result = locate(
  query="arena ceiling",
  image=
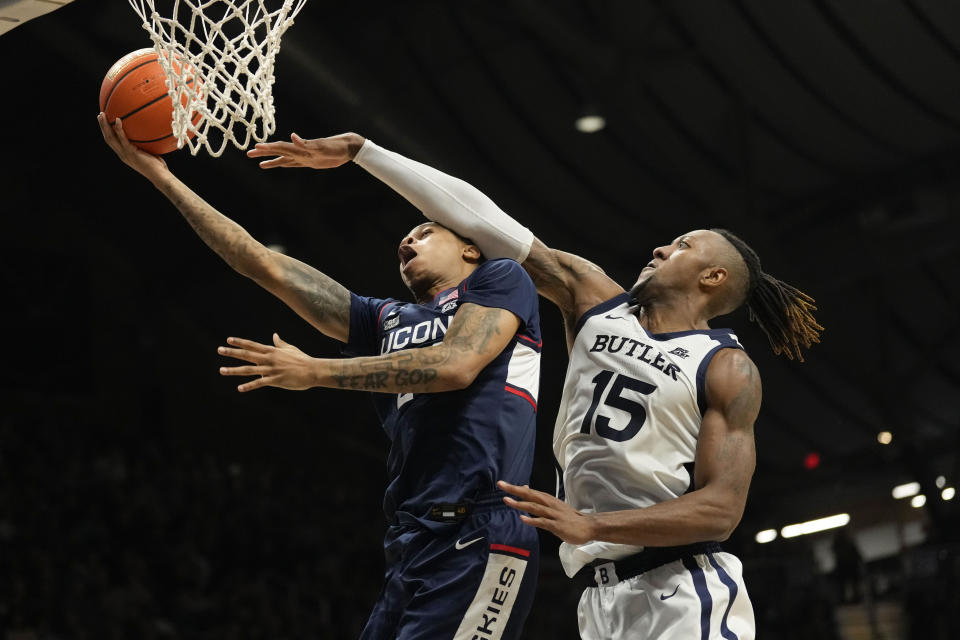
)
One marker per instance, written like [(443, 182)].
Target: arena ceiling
[(826, 133)]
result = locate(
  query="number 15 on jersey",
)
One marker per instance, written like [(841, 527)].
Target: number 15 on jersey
[(636, 411)]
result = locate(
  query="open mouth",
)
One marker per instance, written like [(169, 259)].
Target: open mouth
[(406, 253)]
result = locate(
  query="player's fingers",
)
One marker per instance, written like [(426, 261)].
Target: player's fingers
[(540, 496), (255, 384), (118, 128), (245, 370), (278, 341), (270, 149), (279, 159), (121, 136), (249, 344), (261, 153), (540, 523), (524, 492), (282, 161), (286, 161), (271, 156), (506, 486), (109, 135), (107, 128), (240, 354), (534, 508), (104, 127)]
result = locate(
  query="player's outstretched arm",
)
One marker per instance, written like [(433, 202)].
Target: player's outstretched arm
[(476, 336), (724, 464), (317, 298), (574, 284)]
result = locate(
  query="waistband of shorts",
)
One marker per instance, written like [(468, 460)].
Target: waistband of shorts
[(455, 512), (647, 560)]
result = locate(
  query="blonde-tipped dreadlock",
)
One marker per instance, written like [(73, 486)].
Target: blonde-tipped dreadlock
[(783, 312)]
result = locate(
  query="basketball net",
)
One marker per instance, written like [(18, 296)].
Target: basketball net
[(218, 56)]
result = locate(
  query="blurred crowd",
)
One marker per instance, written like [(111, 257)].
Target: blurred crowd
[(105, 534)]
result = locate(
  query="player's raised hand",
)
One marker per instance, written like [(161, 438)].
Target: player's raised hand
[(547, 512), (281, 365), (137, 159), (320, 153)]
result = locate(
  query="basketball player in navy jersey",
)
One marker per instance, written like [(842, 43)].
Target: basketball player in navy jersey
[(655, 430), (455, 377)]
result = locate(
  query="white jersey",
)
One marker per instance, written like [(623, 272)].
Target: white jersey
[(626, 434)]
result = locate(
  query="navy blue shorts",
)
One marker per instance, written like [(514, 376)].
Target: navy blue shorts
[(472, 579)]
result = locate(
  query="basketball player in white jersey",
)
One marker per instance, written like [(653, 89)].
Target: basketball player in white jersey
[(655, 430)]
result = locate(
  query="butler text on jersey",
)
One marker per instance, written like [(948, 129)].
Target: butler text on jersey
[(605, 342)]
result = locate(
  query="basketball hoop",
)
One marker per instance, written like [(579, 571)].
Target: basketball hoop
[(230, 46)]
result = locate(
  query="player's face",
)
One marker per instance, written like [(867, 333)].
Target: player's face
[(428, 252), (675, 266)]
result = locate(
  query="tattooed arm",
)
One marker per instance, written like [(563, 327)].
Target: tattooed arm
[(476, 336), (725, 460), (318, 299)]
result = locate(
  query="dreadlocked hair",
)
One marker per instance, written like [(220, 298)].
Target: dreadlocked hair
[(783, 312)]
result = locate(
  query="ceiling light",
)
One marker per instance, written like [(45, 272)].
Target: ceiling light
[(590, 123), (906, 490), (767, 535), (884, 437), (948, 493), (918, 501), (941, 481), (813, 526)]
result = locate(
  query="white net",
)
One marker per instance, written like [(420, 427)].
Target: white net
[(219, 59)]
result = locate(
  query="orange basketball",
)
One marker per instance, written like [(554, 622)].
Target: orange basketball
[(135, 90)]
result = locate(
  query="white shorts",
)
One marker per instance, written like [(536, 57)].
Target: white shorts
[(697, 598)]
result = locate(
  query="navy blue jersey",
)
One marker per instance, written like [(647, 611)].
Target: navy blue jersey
[(452, 447)]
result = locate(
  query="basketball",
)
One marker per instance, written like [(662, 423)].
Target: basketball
[(135, 90)]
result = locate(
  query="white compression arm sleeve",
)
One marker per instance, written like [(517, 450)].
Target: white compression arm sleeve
[(449, 201)]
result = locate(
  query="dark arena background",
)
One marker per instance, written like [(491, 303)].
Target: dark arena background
[(142, 497)]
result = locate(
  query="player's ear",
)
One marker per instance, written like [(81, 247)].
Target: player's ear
[(471, 253), (713, 276)]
